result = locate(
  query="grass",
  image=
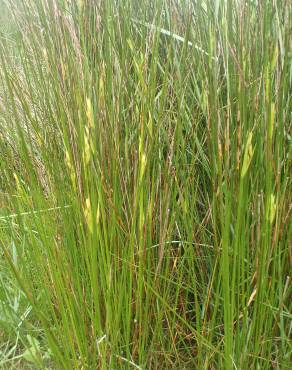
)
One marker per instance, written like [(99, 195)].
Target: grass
[(146, 185)]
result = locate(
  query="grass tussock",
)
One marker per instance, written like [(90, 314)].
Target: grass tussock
[(146, 185)]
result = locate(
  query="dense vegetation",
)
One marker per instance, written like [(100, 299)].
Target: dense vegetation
[(145, 184)]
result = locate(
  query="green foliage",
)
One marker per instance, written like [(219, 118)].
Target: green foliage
[(145, 184)]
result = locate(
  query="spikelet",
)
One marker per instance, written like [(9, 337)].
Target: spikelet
[(272, 209), (88, 144), (89, 113), (70, 167), (143, 166), (86, 149), (88, 215), (248, 154)]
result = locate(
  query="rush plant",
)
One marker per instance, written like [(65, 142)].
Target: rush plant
[(146, 184)]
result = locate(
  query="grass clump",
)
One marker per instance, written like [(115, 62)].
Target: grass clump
[(145, 184)]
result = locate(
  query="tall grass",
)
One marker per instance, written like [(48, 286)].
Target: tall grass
[(146, 184)]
